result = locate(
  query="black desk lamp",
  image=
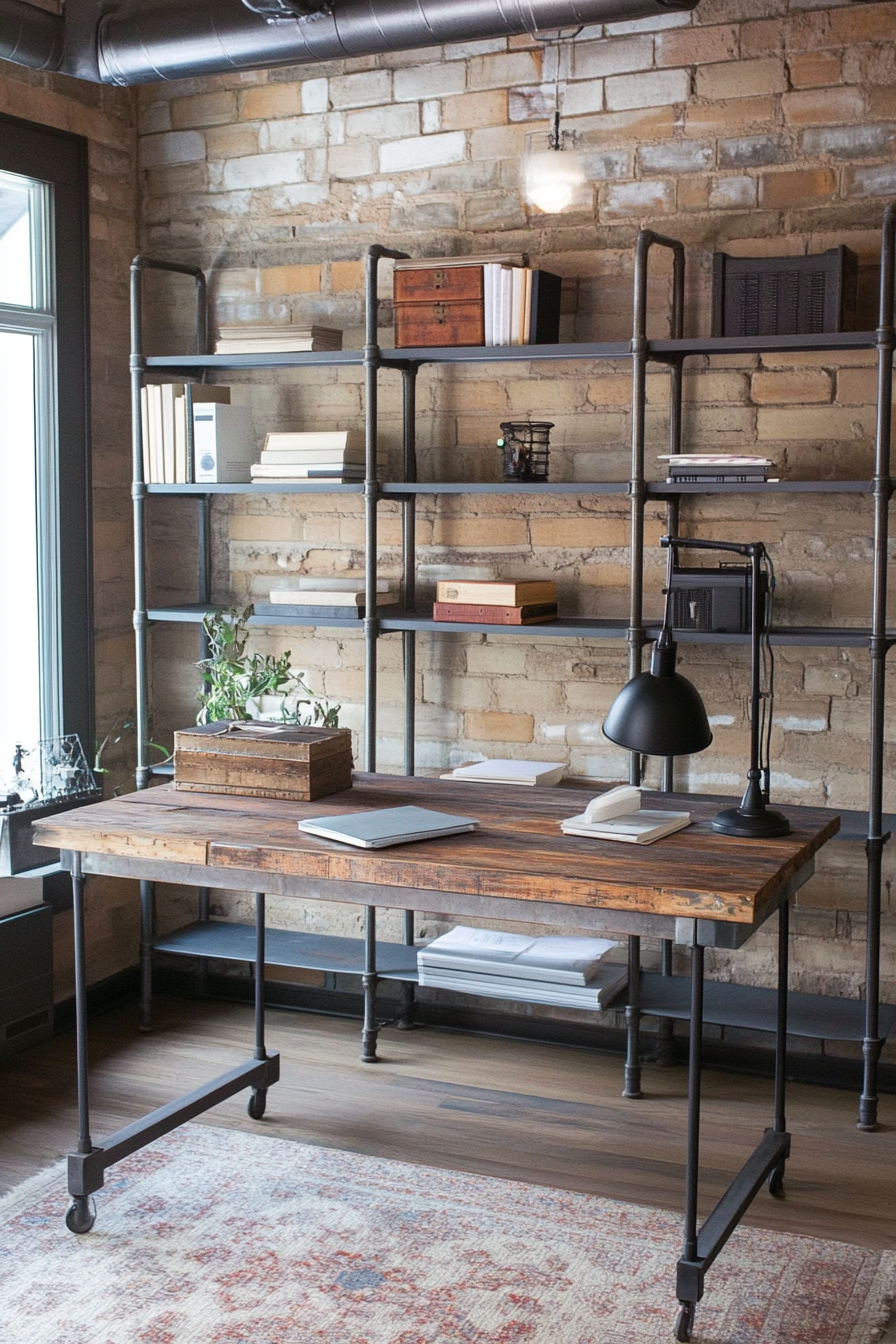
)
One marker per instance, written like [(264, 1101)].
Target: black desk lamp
[(660, 712)]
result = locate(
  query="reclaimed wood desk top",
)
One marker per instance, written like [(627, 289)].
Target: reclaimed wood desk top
[(518, 853)]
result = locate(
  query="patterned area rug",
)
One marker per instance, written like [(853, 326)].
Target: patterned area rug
[(213, 1236)]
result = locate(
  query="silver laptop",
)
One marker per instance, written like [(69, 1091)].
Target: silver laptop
[(388, 826)]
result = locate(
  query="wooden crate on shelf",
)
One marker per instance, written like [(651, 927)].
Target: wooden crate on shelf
[(255, 762)]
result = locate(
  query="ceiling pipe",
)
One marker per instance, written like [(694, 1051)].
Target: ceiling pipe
[(141, 43), (31, 36)]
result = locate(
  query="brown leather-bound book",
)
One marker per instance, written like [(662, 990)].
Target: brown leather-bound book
[(534, 613)]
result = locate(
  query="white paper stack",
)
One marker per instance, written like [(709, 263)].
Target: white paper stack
[(258, 340), (565, 972), (618, 815)]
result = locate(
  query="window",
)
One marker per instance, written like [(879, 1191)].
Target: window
[(45, 669)]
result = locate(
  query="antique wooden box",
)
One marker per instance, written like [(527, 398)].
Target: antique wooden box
[(288, 762), (784, 296), (439, 306)]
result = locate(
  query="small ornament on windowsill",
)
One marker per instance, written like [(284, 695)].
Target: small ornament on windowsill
[(525, 445)]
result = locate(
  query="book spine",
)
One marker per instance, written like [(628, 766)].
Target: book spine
[(496, 594), (321, 613), (533, 614)]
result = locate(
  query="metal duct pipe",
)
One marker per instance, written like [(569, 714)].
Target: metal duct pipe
[(141, 43), (31, 36)]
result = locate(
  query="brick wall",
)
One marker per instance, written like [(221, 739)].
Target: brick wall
[(756, 126), (106, 119)]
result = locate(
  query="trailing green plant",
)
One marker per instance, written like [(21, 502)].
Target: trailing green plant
[(121, 731), (231, 677)]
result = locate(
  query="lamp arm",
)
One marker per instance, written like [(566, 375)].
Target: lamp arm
[(747, 548)]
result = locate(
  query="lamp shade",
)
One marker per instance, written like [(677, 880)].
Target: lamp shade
[(660, 712)]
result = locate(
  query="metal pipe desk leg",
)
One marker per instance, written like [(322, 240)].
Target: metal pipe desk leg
[(259, 1098), (147, 931), (370, 1029), (80, 1217), (632, 1087), (408, 1005)]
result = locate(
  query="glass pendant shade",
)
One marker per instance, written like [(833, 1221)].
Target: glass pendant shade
[(551, 178), (660, 712)]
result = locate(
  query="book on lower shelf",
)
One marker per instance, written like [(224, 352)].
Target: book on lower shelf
[(571, 972), (708, 468), (258, 340), (533, 613)]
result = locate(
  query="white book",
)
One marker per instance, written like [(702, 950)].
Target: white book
[(342, 584), (291, 471), (387, 826), (716, 459), (331, 440), (595, 996), (517, 306), (555, 958), (304, 597), (488, 301), (532, 773)]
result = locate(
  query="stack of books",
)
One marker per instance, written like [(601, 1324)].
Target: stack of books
[(276, 340), (167, 459), (496, 601), (327, 599), (715, 468), (541, 774), (566, 972), (332, 455)]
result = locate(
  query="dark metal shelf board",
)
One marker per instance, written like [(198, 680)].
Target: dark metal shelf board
[(502, 354), (507, 488), (275, 488), (578, 626), (753, 345), (281, 360), (665, 488), (284, 947), (751, 1008)]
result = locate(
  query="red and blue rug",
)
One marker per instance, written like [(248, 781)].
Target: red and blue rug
[(213, 1236)]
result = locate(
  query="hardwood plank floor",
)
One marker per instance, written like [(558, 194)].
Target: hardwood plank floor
[(548, 1114)]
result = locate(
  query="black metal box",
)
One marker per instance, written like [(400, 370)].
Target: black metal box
[(784, 296), (717, 600)]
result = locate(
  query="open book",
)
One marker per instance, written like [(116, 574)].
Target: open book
[(618, 815)]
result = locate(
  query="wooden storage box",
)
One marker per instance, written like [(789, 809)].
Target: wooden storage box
[(297, 763), (439, 306), (784, 296)]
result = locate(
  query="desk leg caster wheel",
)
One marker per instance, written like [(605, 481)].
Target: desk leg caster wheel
[(80, 1216), (776, 1182), (684, 1322), (257, 1103)]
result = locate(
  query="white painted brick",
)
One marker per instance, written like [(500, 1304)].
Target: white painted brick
[(877, 181), (592, 60), (586, 96), (372, 88), (654, 24), (729, 192), (499, 72), (655, 88), (721, 720), (677, 156), (383, 123), (422, 152), (155, 117), (300, 193), (292, 133), (264, 170), (464, 51), (175, 147), (352, 160), (798, 723), (634, 198), (429, 81), (315, 95), (431, 116)]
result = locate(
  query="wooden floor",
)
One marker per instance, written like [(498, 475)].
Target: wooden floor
[(548, 1114)]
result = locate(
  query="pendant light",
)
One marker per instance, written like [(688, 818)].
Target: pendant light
[(552, 172)]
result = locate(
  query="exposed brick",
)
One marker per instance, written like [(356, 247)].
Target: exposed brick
[(530, 104), (613, 163), (809, 69), (630, 127), (796, 388), (290, 280), (693, 193), (231, 142), (820, 107), (762, 37), (732, 115), (857, 386), (357, 160), (697, 46), (271, 100), (370, 89), (346, 275), (264, 170), (635, 198), (871, 181), (467, 532), (402, 156), (652, 89), (577, 533), (502, 70), (315, 95), (864, 23), (498, 727), (593, 60), (799, 187), (382, 123), (750, 151), (429, 81), (740, 79), (203, 109), (469, 110), (582, 98), (849, 142), (175, 147), (731, 193), (677, 156), (833, 422)]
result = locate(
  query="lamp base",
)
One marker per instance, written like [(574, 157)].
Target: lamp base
[(750, 825)]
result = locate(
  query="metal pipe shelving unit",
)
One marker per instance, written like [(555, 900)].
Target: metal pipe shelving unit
[(664, 995)]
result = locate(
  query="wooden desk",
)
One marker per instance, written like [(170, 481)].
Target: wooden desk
[(696, 887)]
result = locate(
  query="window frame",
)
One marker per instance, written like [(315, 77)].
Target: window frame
[(60, 158)]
